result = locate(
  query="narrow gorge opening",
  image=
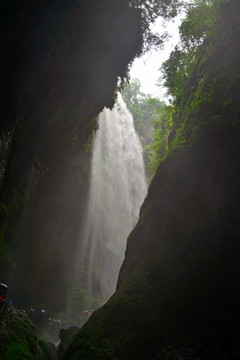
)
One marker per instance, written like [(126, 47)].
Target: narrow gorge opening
[(116, 192)]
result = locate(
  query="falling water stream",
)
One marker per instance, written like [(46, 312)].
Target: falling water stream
[(117, 190)]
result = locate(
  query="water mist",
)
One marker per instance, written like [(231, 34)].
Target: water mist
[(117, 190)]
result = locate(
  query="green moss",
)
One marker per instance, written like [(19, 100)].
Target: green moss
[(44, 346), (18, 336), (91, 347), (16, 351)]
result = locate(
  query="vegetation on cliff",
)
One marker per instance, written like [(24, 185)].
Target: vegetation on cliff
[(202, 74), (151, 120), (178, 291)]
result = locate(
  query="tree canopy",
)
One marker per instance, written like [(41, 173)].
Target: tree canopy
[(152, 120), (202, 72), (150, 11), (197, 75)]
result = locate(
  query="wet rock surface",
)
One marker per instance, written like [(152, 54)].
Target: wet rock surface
[(18, 339)]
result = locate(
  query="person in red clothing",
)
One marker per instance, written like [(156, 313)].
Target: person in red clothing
[(3, 294)]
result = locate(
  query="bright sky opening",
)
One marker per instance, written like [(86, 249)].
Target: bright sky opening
[(148, 67)]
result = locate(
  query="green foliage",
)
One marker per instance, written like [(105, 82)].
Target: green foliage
[(194, 29), (197, 76), (202, 74), (162, 128), (147, 113), (200, 20), (16, 351), (18, 336), (152, 120), (150, 11), (144, 108), (44, 346), (90, 347), (79, 300)]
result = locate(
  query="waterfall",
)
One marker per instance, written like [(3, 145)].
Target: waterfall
[(117, 190)]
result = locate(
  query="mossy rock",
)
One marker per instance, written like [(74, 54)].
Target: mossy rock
[(18, 339)]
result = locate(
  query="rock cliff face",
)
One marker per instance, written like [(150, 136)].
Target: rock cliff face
[(82, 49), (178, 287), (178, 291)]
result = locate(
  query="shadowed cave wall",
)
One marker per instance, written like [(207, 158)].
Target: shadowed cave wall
[(60, 67)]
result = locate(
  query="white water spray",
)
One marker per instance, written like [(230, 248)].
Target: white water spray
[(117, 190)]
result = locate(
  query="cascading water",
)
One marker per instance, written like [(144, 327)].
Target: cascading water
[(117, 190)]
